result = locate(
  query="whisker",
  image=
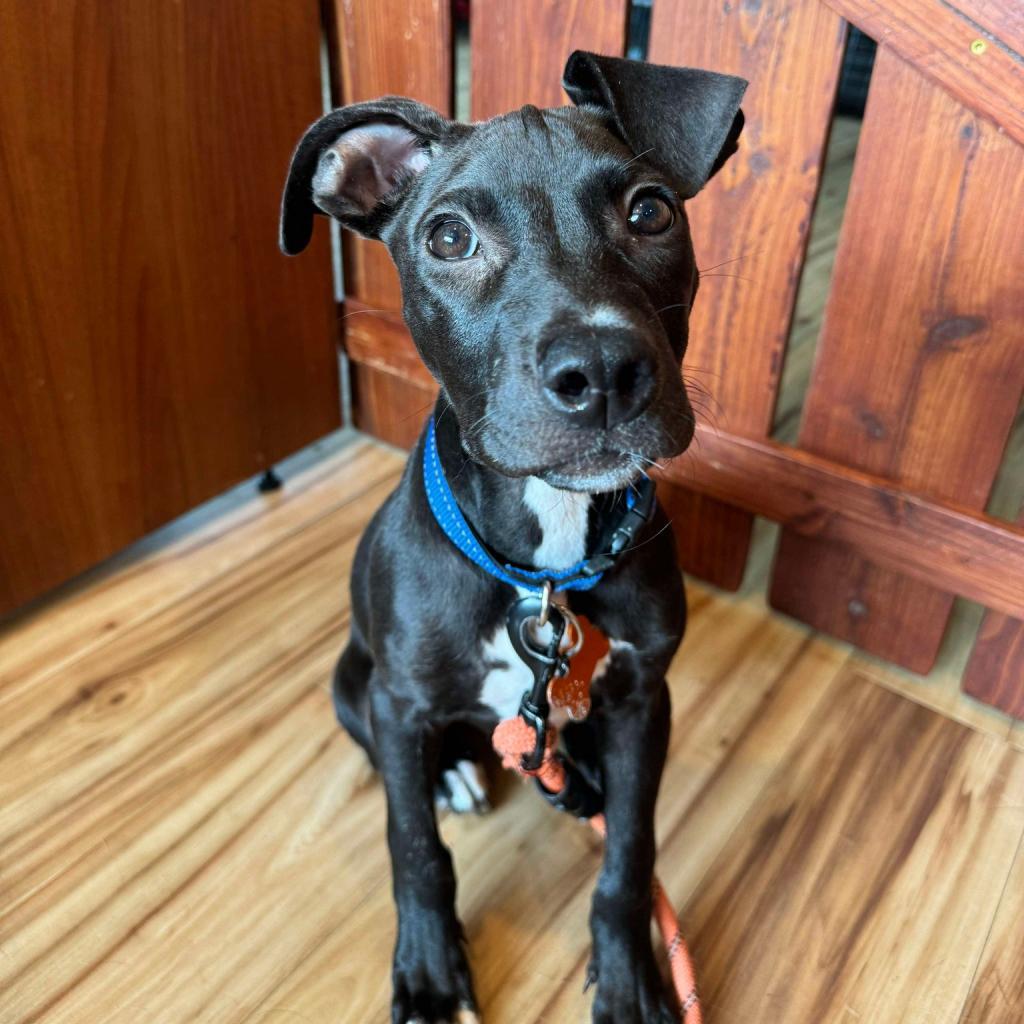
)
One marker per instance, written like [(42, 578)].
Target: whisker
[(733, 259), (355, 312), (706, 406), (738, 277), (419, 412), (690, 368), (665, 309), (696, 386), (638, 156), (643, 460), (448, 408), (633, 547), (705, 401), (700, 395)]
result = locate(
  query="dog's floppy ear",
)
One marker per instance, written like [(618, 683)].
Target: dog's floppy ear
[(683, 120), (354, 164)]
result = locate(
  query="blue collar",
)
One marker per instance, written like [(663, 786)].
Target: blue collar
[(636, 510)]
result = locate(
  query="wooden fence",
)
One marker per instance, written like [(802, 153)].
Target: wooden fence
[(919, 370)]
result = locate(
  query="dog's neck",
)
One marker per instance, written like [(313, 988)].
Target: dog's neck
[(523, 520)]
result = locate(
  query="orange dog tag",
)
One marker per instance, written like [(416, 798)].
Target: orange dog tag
[(571, 692)]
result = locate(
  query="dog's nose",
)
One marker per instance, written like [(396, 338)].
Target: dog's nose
[(598, 379)]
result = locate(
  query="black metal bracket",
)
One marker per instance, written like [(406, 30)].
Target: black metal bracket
[(270, 481)]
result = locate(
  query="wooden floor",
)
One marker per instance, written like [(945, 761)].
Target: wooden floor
[(185, 835)]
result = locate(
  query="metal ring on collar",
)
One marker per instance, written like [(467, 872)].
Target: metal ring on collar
[(545, 602)]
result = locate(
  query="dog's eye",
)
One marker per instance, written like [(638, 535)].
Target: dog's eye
[(650, 215), (452, 240)]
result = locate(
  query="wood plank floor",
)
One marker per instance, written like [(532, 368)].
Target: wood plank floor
[(185, 835)]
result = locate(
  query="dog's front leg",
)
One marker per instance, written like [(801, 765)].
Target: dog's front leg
[(430, 977), (633, 738)]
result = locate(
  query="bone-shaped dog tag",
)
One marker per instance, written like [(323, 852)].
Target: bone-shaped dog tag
[(571, 692)]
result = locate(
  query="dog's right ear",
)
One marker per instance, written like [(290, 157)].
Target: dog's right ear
[(356, 164), (685, 120)]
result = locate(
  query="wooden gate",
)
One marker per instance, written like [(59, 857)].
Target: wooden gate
[(919, 370)]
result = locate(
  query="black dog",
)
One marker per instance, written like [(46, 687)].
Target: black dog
[(547, 275)]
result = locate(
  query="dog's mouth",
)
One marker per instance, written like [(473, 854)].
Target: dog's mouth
[(592, 469), (517, 443), (593, 465), (596, 471), (605, 468)]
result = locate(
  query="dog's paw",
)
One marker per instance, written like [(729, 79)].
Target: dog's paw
[(630, 991), (432, 983), (463, 789), (637, 1005)]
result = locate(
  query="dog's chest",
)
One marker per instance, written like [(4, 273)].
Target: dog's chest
[(562, 516), (507, 676)]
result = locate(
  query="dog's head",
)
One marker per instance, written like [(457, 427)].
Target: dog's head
[(545, 259)]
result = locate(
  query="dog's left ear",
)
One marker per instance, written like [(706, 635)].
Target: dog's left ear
[(683, 120), (354, 165)]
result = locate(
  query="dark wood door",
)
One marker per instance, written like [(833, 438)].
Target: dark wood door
[(156, 347)]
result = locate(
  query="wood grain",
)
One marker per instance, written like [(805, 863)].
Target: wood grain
[(997, 995), (749, 225), (919, 370), (157, 347), (382, 341), (941, 543), (936, 36), (939, 691), (390, 405), (995, 673), (519, 47), (186, 835), (174, 562), (390, 47), (997, 18), (392, 391), (815, 277), (399, 48), (865, 847), (176, 744)]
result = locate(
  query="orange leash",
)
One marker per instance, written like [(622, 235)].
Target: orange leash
[(513, 739)]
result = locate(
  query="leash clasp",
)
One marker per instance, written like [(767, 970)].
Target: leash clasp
[(537, 720), (544, 659)]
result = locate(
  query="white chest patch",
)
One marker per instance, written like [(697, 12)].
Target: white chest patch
[(563, 522), (507, 678)]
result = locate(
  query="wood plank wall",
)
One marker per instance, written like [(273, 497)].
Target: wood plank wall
[(749, 227), (996, 669), (971, 49), (920, 365), (401, 47), (519, 48)]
